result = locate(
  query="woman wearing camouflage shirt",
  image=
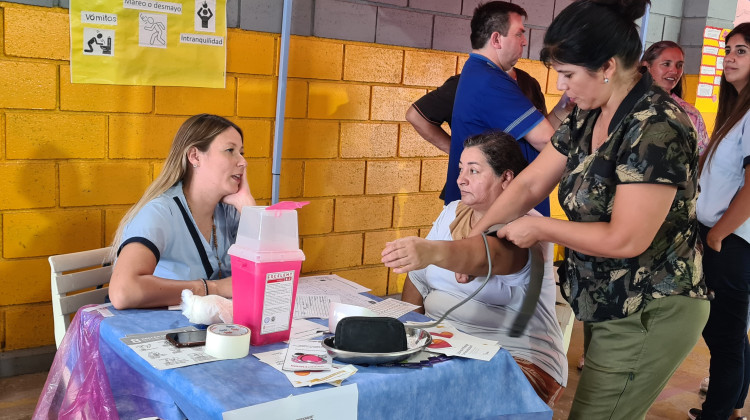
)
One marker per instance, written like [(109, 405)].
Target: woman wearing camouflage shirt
[(626, 163)]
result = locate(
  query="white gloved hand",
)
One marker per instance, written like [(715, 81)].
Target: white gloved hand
[(211, 309)]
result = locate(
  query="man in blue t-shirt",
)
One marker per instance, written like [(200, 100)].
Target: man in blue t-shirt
[(488, 98)]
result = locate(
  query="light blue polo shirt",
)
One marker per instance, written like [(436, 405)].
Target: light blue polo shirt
[(162, 225), (724, 175)]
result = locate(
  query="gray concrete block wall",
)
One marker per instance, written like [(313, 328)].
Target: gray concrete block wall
[(233, 13), (445, 24), (671, 28), (404, 27), (469, 5), (655, 28), (43, 3), (432, 24), (343, 20), (667, 8), (539, 12), (451, 33), (265, 16), (696, 8), (536, 41), (445, 6), (697, 14)]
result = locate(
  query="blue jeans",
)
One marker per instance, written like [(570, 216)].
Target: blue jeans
[(728, 275)]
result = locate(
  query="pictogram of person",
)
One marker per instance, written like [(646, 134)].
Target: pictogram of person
[(205, 14), (157, 29), (94, 40)]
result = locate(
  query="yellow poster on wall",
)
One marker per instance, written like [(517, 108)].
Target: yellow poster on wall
[(148, 42), (711, 68)]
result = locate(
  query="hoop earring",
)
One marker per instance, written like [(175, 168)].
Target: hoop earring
[(606, 80)]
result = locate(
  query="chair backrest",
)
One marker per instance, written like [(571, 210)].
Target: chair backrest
[(72, 273), (565, 315)]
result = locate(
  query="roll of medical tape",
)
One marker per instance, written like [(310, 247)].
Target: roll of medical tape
[(227, 341)]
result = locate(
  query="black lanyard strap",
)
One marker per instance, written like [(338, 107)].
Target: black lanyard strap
[(196, 239)]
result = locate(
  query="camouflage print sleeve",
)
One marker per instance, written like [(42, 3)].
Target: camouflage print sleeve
[(660, 148), (561, 138)]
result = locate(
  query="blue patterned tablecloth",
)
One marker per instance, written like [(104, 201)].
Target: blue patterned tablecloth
[(455, 389)]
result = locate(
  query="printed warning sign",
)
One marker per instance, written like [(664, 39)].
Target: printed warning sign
[(148, 42)]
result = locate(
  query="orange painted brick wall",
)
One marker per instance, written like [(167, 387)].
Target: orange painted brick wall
[(73, 157)]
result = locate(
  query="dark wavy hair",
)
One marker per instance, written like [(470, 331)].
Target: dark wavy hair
[(492, 17), (589, 32), (501, 151), (733, 105), (654, 51)]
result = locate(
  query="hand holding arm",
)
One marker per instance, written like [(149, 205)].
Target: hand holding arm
[(529, 188)]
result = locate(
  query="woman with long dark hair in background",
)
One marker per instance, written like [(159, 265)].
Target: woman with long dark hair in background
[(723, 211)]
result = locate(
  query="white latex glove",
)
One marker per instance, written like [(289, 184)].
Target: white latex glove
[(211, 309)]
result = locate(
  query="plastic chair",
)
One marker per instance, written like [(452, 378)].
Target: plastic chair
[(565, 315), (76, 272)]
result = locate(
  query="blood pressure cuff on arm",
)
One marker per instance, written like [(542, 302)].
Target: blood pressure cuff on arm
[(492, 231), (363, 334), (531, 298)]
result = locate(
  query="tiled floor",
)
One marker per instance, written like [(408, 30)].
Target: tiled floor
[(18, 395)]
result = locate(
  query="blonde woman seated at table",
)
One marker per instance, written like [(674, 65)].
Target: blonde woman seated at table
[(177, 236), (488, 164)]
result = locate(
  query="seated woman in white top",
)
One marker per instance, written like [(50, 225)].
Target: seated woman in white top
[(489, 162), (177, 236)]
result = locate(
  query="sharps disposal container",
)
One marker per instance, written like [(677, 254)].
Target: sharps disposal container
[(266, 262)]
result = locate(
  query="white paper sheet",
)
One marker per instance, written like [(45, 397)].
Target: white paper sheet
[(303, 329), (357, 300), (392, 308), (330, 284), (447, 340), (326, 404), (313, 306), (161, 354)]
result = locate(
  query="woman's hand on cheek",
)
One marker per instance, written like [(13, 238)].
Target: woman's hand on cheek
[(407, 254), (243, 196), (522, 231)]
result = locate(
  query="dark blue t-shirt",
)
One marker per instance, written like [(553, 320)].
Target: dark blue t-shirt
[(489, 99)]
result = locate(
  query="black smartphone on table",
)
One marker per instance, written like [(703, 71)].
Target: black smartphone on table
[(187, 338)]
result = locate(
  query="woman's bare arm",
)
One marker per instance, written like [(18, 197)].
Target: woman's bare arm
[(133, 284), (463, 256)]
